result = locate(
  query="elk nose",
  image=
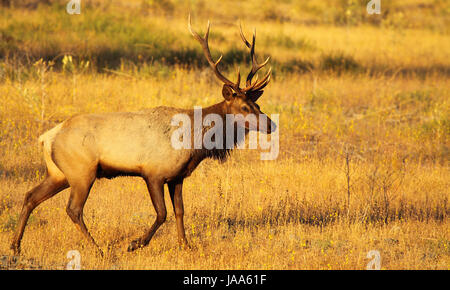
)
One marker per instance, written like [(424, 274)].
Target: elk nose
[(271, 126)]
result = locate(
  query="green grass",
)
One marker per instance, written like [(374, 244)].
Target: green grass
[(107, 37)]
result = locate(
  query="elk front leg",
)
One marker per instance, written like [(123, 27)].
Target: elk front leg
[(156, 190), (77, 200), (175, 190)]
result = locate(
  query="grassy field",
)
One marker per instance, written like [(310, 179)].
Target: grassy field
[(364, 132)]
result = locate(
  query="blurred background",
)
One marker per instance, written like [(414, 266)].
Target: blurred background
[(337, 35)]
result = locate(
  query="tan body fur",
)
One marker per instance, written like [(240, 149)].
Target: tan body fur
[(131, 143)]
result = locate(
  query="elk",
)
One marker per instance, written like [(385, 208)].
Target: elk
[(90, 146)]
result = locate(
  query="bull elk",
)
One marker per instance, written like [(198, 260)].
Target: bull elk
[(90, 146)]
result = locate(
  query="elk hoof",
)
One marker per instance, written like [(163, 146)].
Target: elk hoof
[(185, 247), (134, 245), (16, 249), (100, 252)]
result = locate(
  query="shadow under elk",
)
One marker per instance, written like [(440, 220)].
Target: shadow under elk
[(90, 146)]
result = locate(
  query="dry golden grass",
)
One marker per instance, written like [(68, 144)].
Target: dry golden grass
[(244, 214), (388, 116)]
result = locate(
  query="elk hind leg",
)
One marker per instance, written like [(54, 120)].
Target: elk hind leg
[(45, 190)]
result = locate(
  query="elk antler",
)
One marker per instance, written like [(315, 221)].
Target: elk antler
[(255, 66), (204, 43)]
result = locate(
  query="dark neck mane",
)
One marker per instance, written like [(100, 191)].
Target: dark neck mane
[(218, 154)]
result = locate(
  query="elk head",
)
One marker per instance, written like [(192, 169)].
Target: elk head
[(241, 101)]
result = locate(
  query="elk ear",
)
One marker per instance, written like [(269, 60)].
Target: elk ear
[(254, 95), (227, 92)]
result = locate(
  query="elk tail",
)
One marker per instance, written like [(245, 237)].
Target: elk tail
[(46, 141)]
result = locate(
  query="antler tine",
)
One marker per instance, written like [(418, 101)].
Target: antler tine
[(260, 85), (204, 43), (238, 82), (255, 65), (243, 37)]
